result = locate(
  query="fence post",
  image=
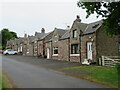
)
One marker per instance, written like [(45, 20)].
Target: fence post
[(100, 61), (103, 61)]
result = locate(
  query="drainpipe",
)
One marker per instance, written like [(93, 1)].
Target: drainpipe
[(80, 47), (69, 49), (51, 49), (37, 47)]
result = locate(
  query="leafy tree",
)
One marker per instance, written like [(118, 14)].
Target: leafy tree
[(14, 35), (6, 36), (110, 11)]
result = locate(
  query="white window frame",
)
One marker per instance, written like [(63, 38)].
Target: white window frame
[(53, 51), (27, 50), (74, 54), (74, 33)]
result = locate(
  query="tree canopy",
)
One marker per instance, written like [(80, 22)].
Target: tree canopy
[(6, 36), (110, 11)]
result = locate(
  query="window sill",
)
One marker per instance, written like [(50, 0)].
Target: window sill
[(55, 55), (74, 54)]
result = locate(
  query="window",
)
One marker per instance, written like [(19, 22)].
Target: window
[(55, 50), (74, 33), (55, 39), (74, 49), (27, 50), (119, 46)]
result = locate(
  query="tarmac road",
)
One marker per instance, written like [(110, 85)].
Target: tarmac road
[(25, 75)]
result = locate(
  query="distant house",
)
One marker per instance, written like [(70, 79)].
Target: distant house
[(16, 44), (37, 47), (41, 44), (29, 46), (9, 44)]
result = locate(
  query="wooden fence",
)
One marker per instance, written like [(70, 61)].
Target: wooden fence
[(109, 60)]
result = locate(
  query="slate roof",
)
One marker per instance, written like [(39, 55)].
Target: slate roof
[(85, 28), (45, 35), (40, 35), (31, 38), (10, 42), (66, 35), (82, 26), (61, 31), (92, 27)]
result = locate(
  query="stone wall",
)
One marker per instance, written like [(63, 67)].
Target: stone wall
[(48, 45), (40, 48), (84, 40), (63, 50), (106, 45)]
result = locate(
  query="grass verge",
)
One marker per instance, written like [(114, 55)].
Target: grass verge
[(4, 81), (0, 47), (104, 75)]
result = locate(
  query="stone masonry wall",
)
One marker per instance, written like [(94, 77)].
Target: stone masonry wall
[(84, 40), (63, 50), (106, 45)]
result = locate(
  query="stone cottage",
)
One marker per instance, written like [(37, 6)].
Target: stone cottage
[(89, 41), (52, 45), (38, 36), (41, 44), (9, 44), (83, 41), (29, 46)]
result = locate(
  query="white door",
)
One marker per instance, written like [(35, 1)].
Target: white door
[(89, 50), (48, 53)]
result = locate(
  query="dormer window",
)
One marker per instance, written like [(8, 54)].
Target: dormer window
[(74, 33)]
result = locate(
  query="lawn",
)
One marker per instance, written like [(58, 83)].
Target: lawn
[(100, 74), (4, 81), (0, 47)]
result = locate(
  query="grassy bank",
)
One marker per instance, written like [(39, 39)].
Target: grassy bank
[(4, 81), (0, 47), (104, 75)]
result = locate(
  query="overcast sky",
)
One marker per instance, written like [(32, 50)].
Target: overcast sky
[(29, 16)]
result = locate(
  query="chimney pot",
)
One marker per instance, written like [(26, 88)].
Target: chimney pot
[(68, 28), (78, 18), (42, 30)]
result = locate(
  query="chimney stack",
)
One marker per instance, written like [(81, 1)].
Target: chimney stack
[(42, 30), (25, 35), (78, 18), (68, 28)]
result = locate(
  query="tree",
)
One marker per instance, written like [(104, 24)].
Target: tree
[(14, 35), (110, 11), (6, 36)]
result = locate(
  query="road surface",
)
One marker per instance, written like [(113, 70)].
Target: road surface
[(25, 75)]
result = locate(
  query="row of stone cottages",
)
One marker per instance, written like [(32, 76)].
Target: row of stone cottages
[(82, 41)]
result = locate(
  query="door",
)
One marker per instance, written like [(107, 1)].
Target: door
[(48, 53), (89, 50)]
